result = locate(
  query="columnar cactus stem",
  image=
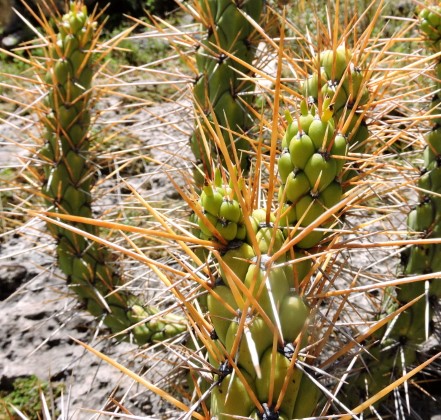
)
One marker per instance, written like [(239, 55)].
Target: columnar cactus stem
[(221, 88), (259, 317), (69, 176), (397, 342), (426, 216), (251, 305), (411, 328)]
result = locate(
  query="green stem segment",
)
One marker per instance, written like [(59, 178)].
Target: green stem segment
[(310, 167), (340, 80), (221, 89), (411, 327), (69, 176), (271, 309)]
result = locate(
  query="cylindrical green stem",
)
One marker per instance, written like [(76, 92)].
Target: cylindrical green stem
[(426, 216), (69, 176), (221, 89), (394, 347)]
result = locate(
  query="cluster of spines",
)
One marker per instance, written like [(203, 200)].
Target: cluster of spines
[(221, 89), (69, 176)]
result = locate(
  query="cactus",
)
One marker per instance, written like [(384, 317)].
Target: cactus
[(261, 275), (265, 323), (68, 179), (221, 89), (393, 348), (411, 327), (426, 217), (257, 307), (262, 306)]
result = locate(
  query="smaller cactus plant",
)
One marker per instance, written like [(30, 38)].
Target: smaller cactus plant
[(426, 217), (68, 179), (394, 347)]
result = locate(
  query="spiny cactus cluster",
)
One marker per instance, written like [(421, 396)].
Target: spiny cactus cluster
[(69, 176), (256, 304), (221, 89)]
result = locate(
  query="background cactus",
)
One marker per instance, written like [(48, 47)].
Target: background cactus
[(398, 341), (69, 177), (425, 217), (223, 89)]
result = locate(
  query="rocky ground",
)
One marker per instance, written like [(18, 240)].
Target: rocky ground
[(39, 324)]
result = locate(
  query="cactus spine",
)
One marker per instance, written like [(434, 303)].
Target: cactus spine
[(69, 176), (220, 90)]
